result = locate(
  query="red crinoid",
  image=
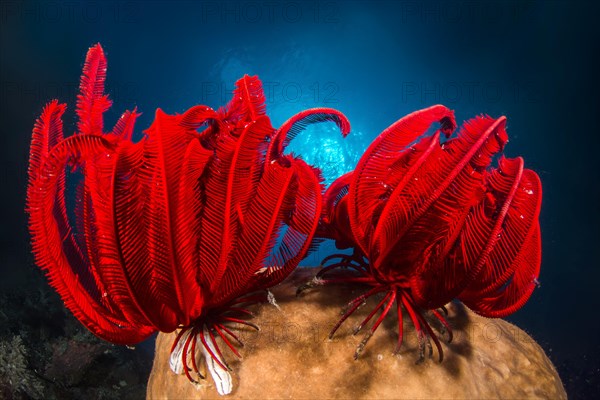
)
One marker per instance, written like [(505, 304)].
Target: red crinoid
[(179, 230), (430, 222)]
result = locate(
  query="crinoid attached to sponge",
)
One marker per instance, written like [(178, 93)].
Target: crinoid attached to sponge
[(181, 230), (429, 221)]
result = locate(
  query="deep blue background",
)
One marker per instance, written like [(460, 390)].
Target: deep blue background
[(537, 63)]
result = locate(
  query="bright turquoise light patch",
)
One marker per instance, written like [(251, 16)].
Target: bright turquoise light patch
[(323, 146)]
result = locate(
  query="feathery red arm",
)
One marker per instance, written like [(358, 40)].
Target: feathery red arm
[(247, 103), (226, 190), (47, 242), (187, 231), (124, 126), (91, 102), (263, 223), (511, 260), (296, 124), (367, 184), (302, 224)]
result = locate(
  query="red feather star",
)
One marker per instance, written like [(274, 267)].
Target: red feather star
[(429, 221), (179, 230)]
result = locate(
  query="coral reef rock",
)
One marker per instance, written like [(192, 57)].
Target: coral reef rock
[(292, 357)]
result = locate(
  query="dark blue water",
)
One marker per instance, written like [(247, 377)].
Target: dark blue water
[(535, 62)]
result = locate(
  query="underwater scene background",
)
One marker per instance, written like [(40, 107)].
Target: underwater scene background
[(534, 62)]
